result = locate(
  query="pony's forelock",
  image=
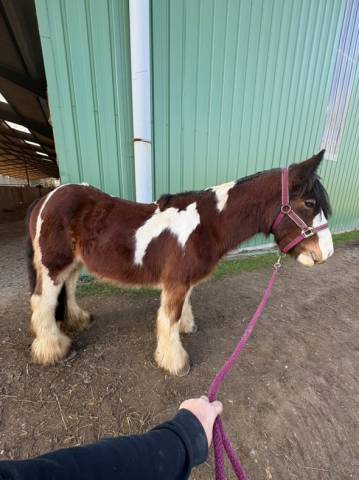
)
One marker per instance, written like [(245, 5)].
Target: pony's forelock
[(313, 188)]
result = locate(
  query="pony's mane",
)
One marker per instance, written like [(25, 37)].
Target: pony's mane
[(168, 197), (248, 178), (311, 187)]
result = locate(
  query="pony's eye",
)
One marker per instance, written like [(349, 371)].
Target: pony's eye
[(310, 203)]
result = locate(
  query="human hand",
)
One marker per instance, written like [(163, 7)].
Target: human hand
[(205, 412)]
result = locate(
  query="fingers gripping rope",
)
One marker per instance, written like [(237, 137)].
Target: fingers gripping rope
[(221, 441)]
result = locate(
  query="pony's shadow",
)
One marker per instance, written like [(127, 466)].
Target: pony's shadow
[(134, 319)]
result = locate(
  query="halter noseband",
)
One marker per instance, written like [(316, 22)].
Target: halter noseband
[(286, 210)]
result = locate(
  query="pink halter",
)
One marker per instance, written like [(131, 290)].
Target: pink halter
[(286, 210)]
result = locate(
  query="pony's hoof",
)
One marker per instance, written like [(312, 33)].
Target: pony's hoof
[(176, 363), (50, 350), (71, 356), (76, 324), (184, 370), (189, 328)]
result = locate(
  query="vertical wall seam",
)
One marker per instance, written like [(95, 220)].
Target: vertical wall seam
[(94, 93), (71, 85), (209, 97), (114, 91)]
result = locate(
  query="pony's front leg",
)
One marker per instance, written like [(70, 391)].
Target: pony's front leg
[(50, 344), (170, 353), (187, 323)]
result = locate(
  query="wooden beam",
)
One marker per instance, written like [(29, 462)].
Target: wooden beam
[(22, 155), (28, 148), (9, 133), (10, 170), (31, 169), (7, 114), (31, 162), (37, 87), (19, 150)]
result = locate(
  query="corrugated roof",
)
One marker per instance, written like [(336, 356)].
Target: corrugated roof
[(23, 98)]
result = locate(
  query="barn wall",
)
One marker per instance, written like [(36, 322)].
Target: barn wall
[(87, 60), (19, 197), (237, 86), (241, 86)]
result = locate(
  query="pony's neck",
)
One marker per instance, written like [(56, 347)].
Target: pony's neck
[(250, 209)]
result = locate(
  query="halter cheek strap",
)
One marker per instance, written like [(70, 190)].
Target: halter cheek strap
[(286, 210)]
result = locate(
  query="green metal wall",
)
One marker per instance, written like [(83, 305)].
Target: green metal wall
[(342, 176), (243, 85), (238, 86), (87, 60)]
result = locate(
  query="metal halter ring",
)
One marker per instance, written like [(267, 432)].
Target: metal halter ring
[(278, 263), (286, 209), (308, 232)]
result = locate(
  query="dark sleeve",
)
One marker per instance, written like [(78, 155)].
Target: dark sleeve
[(169, 452)]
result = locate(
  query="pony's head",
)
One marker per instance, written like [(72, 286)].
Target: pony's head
[(309, 200)]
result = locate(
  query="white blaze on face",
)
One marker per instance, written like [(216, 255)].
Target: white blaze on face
[(221, 192), (181, 223), (324, 236), (325, 242)]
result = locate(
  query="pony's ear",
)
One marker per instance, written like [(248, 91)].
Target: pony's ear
[(304, 171)]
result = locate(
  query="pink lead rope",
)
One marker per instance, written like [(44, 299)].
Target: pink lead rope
[(221, 442)]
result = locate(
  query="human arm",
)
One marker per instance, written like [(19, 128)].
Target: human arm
[(169, 451)]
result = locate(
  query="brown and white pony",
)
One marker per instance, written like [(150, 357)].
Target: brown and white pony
[(172, 244)]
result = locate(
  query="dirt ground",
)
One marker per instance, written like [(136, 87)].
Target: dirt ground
[(291, 403)]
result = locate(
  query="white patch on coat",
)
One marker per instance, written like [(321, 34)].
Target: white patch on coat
[(324, 237), (180, 223), (221, 192)]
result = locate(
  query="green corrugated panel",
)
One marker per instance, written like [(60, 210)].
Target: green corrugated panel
[(343, 175), (241, 86), (87, 60)]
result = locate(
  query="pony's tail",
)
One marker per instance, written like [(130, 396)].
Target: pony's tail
[(30, 249), (62, 298)]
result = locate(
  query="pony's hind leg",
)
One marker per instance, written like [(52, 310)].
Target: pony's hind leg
[(76, 319), (187, 323), (50, 344), (170, 353)]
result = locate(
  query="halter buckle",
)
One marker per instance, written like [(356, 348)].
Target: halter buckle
[(286, 209), (308, 232)]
